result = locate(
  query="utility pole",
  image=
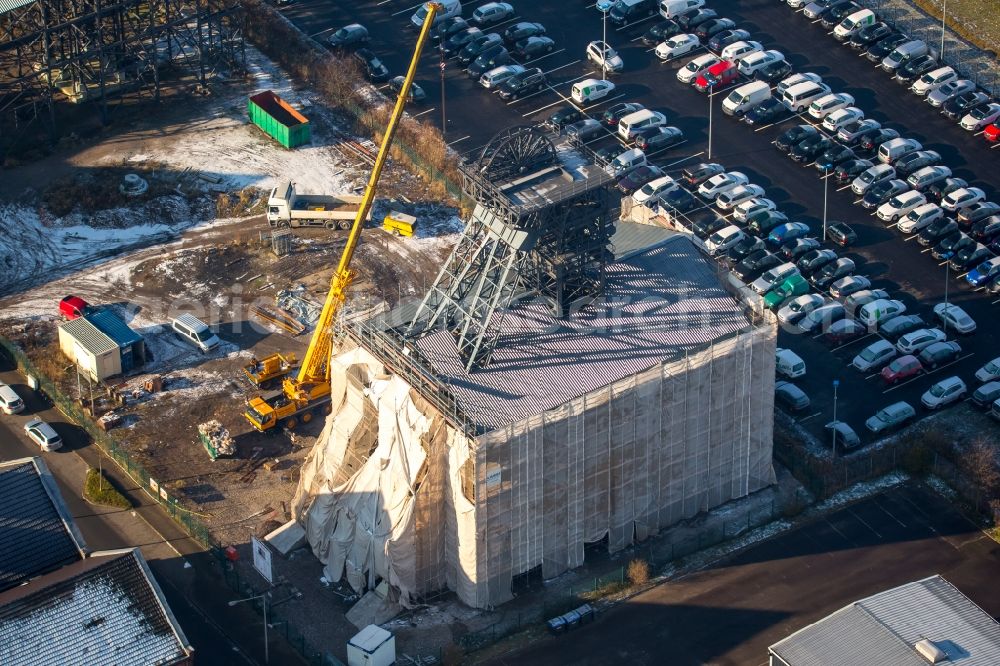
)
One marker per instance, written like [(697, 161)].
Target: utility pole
[(711, 87), (444, 116), (836, 383), (826, 189), (944, 14)]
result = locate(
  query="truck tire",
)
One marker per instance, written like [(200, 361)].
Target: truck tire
[(307, 417), (283, 224), (345, 225), (330, 225), (291, 422), (328, 408)]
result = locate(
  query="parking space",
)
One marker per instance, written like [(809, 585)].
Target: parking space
[(892, 261)]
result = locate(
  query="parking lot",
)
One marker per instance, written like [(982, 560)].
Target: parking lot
[(892, 261), (730, 612)]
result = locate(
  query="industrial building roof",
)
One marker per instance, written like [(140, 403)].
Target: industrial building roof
[(106, 610), (110, 325), (662, 299), (89, 336), (37, 532), (10, 5), (884, 629)]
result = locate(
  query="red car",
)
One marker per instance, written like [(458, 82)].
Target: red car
[(901, 368), (718, 75), (72, 307), (992, 133)]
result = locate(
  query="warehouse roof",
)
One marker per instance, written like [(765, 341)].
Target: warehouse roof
[(106, 610), (10, 5), (37, 532), (662, 299), (89, 336), (884, 630), (110, 325)]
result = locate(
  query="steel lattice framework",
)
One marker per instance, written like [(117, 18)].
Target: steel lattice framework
[(55, 53), (553, 243)]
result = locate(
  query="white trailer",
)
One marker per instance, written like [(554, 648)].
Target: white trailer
[(288, 208)]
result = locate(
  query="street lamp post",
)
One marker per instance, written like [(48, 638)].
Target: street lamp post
[(444, 116), (944, 14), (833, 431), (711, 87), (826, 190), (263, 597), (944, 320), (604, 40)]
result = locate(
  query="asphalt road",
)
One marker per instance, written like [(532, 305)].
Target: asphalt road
[(729, 613), (892, 262)]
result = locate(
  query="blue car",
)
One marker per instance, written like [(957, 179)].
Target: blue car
[(984, 272), (786, 232)]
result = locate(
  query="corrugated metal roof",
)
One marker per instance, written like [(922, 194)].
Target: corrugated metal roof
[(883, 629), (37, 533), (106, 610), (113, 327), (9, 5), (89, 336), (660, 302)]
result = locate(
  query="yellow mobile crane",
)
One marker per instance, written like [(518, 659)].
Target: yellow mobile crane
[(302, 396)]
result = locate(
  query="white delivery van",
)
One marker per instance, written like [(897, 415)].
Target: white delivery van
[(741, 99), (789, 364), (800, 96), (590, 90), (449, 8), (638, 121), (625, 163), (671, 8), (194, 331), (853, 24), (892, 150)]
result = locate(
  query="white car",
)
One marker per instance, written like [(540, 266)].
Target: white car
[(933, 80), (920, 217), (849, 284), (755, 61), (852, 131), (978, 118), (497, 75), (796, 79), (741, 49), (43, 434), (799, 307), (827, 104), (654, 189), (954, 318), (724, 238), (677, 46), (989, 372), (697, 66), (841, 117), (879, 311), (914, 341), (874, 356), (492, 12), (900, 205), (10, 401), (602, 55), (948, 390), (747, 209), (720, 183), (738, 195), (772, 278), (962, 197)]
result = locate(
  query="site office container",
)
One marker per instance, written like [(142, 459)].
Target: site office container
[(278, 119)]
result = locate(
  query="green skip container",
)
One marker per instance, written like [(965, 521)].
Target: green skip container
[(278, 119)]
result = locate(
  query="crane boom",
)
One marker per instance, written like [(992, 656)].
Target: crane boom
[(311, 386)]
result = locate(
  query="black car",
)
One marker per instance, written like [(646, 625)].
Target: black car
[(916, 161), (489, 59), (754, 266), (836, 12), (744, 248), (585, 130), (769, 111), (707, 226), (916, 68), (525, 83), (533, 47), (810, 148), (793, 249), (841, 234), (937, 230), (622, 14), (790, 137), (699, 173), (774, 72), (619, 111), (881, 192), (851, 169), (985, 231), (948, 245), (372, 67), (872, 141), (690, 20), (450, 26), (721, 40), (957, 108), (679, 199), (833, 157), (969, 257), (477, 45), (712, 27), (762, 223), (899, 326), (976, 212), (350, 36), (461, 39), (564, 116), (813, 260), (883, 47), (603, 156), (417, 94), (637, 178), (659, 138), (661, 32), (870, 34), (939, 190), (523, 30)]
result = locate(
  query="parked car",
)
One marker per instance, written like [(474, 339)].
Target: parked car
[(810, 148), (492, 12), (10, 401), (889, 418), (842, 117), (489, 59), (773, 72), (697, 67), (723, 182), (985, 272), (371, 66), (737, 195), (899, 326), (969, 256), (833, 157), (850, 169), (43, 434), (858, 299), (943, 393), (848, 285), (350, 36), (723, 239), (920, 217), (751, 268), (786, 232), (937, 230), (821, 317), (527, 82), (794, 248), (870, 34), (799, 307), (744, 248), (708, 29), (827, 104), (980, 116), (769, 111), (563, 117), (477, 45), (812, 261), (879, 173), (696, 175), (956, 108), (915, 68), (416, 95), (934, 79), (902, 367), (618, 111), (661, 32), (922, 179), (739, 50), (639, 177), (900, 205), (985, 231), (940, 190), (879, 311), (761, 224), (457, 42), (602, 55), (832, 272), (939, 353), (960, 198), (883, 47), (841, 234), (494, 78), (844, 331), (916, 341), (947, 247), (880, 193), (691, 20), (792, 136), (448, 27), (677, 46), (658, 139), (746, 209), (978, 211), (790, 396), (679, 200), (954, 318), (871, 142), (874, 356), (794, 285), (852, 133), (721, 40), (534, 47), (984, 396), (989, 372), (522, 30), (844, 438), (794, 80), (950, 91)]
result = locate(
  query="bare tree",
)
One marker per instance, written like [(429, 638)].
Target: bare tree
[(979, 461)]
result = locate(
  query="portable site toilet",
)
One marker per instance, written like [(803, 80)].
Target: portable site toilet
[(372, 646), (84, 344), (131, 346)]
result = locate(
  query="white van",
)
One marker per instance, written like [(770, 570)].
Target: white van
[(903, 53), (671, 8), (626, 163), (741, 99), (638, 121), (193, 330), (789, 364), (748, 66), (853, 24), (590, 90), (801, 95), (892, 150), (449, 8)]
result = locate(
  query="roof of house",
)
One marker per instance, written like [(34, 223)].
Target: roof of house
[(662, 300), (113, 327), (107, 610), (89, 336), (883, 630), (37, 532)]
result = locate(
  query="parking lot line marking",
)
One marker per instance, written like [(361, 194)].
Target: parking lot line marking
[(909, 238), (417, 115), (963, 275), (979, 132), (556, 69), (547, 106), (864, 522), (857, 201), (890, 514), (540, 58), (684, 159), (943, 263), (811, 416), (316, 34), (925, 251), (842, 535), (410, 9), (642, 20), (452, 143), (383, 2), (841, 189), (848, 344)]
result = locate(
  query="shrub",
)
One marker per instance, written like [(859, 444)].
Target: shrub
[(917, 460), (638, 572), (99, 490)]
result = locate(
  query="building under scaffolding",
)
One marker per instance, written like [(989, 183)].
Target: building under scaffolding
[(563, 383), (58, 54)]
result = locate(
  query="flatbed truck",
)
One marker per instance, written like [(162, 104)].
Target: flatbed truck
[(288, 208)]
